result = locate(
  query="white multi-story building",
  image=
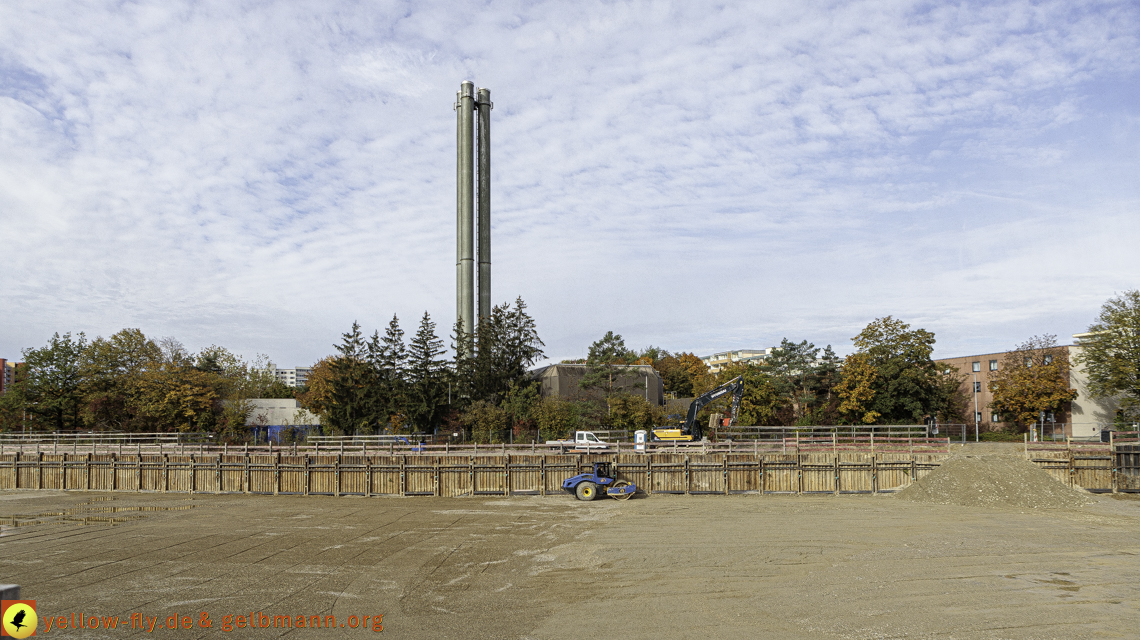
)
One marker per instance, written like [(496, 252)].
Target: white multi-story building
[(718, 361), (295, 377)]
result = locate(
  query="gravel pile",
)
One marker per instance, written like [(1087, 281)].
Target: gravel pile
[(993, 481)]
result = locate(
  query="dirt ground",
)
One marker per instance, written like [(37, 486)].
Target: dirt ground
[(554, 568)]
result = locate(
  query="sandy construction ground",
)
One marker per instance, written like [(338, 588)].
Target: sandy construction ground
[(657, 567)]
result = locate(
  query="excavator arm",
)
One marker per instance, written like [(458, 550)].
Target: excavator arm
[(734, 386)]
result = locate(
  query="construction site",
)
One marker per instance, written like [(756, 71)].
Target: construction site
[(978, 541)]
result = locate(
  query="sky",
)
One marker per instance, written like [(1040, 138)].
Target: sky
[(695, 176)]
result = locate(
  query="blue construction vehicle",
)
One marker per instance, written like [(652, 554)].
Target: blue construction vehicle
[(587, 486)]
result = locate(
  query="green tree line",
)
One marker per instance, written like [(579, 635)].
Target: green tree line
[(130, 382)]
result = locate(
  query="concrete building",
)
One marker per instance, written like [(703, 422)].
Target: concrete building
[(718, 361), (1089, 415), (7, 374), (295, 377), (1086, 416), (562, 381), (279, 412)]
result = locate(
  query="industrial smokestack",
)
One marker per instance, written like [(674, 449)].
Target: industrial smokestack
[(484, 105), (465, 213)]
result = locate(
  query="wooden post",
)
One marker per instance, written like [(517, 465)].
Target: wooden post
[(193, 475), (248, 480), (726, 472), (336, 471), (836, 474), (218, 474), (688, 483), (648, 474), (165, 476), (761, 479), (437, 489), (1112, 458), (277, 473), (138, 467), (913, 470), (799, 466), (506, 472), (542, 476), (471, 473), (367, 477), (87, 466), (874, 469), (114, 471), (834, 442), (403, 477), (305, 469)]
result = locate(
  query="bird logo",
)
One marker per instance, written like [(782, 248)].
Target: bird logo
[(19, 618)]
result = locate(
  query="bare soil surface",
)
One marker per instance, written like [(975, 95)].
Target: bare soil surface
[(994, 481), (658, 566)]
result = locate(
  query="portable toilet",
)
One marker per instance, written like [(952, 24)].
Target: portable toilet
[(639, 440)]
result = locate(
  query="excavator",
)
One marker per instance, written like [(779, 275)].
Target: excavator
[(690, 430)]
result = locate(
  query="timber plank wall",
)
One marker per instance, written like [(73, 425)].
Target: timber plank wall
[(463, 475), (460, 475)]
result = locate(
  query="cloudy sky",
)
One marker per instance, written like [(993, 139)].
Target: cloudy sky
[(697, 176)]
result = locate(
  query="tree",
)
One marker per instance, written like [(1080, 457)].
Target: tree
[(1111, 352), (487, 422), (113, 370), (53, 386), (350, 410), (505, 345), (427, 377), (760, 403), (177, 398), (631, 412), (389, 359), (893, 380), (603, 363), (317, 394), (556, 418), (1032, 378), (856, 389), (519, 404), (804, 378)]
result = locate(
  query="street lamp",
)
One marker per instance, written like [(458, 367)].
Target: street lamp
[(977, 414)]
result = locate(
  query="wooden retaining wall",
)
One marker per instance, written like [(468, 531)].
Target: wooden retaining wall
[(443, 475)]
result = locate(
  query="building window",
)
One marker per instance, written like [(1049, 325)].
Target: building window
[(993, 365), (995, 418), (977, 416), (977, 366), (977, 387), (1048, 359)]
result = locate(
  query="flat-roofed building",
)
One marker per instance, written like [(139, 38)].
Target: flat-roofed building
[(295, 377), (718, 361), (564, 381), (1083, 418)]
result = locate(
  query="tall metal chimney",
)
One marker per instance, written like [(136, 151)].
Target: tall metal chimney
[(465, 213), (484, 105)]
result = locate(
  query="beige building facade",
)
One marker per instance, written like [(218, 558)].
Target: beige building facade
[(718, 361)]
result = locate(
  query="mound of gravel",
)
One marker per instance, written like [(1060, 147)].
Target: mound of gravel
[(993, 481)]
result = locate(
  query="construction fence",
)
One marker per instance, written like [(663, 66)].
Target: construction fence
[(451, 476), (821, 465)]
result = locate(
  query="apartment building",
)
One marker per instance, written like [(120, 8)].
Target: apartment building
[(718, 361), (295, 377), (1084, 418)]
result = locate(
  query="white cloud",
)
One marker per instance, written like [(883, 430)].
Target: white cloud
[(693, 175)]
